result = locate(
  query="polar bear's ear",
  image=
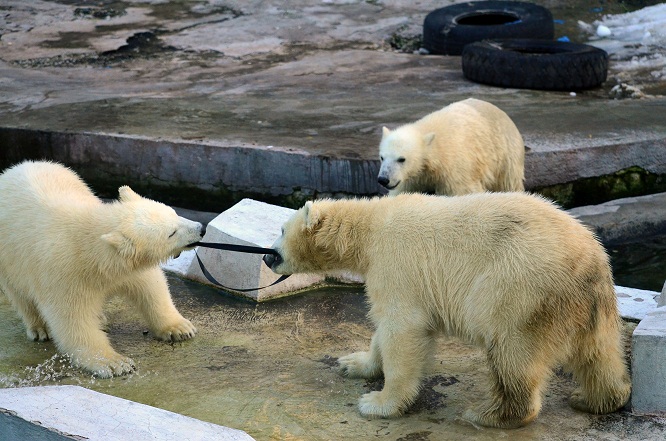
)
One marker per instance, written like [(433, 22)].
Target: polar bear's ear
[(311, 214), (127, 194), (385, 132), (120, 242), (428, 138)]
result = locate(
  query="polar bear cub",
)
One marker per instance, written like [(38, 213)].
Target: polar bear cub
[(467, 147), (507, 271), (64, 252)]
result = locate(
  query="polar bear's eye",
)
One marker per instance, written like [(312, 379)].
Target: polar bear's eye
[(401, 159), (381, 158), (173, 234)]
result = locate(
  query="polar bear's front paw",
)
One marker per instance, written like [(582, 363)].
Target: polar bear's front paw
[(179, 331), (38, 333), (358, 365), (114, 365), (377, 405)]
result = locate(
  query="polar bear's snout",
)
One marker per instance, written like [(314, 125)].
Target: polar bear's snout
[(384, 176), (193, 232), (201, 233), (389, 174)]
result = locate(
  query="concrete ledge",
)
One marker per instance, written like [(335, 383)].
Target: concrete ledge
[(293, 172), (72, 412), (647, 364), (616, 221)]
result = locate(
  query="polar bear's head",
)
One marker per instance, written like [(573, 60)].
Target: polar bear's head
[(303, 246), (148, 232), (402, 152)]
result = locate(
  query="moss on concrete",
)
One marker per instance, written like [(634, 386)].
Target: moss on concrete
[(402, 42), (632, 181)]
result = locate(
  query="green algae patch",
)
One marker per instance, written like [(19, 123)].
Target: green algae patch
[(629, 182)]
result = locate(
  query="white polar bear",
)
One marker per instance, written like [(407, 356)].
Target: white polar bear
[(64, 252), (467, 147), (507, 271)]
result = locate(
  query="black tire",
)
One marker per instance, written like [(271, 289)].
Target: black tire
[(535, 64), (447, 30)]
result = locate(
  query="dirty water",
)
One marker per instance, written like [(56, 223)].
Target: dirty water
[(640, 264), (270, 370)]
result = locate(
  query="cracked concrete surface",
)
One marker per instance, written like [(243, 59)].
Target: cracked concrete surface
[(274, 101)]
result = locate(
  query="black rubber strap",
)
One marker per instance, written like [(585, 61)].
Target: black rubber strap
[(237, 248), (240, 249)]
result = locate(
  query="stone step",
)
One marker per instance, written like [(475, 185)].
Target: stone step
[(54, 413)]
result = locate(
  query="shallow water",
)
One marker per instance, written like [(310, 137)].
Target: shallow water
[(270, 369)]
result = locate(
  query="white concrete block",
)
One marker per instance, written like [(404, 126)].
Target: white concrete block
[(181, 264), (74, 412), (635, 304), (648, 364), (254, 223)]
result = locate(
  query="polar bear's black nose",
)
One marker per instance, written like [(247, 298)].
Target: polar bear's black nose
[(203, 230), (383, 181), (272, 259), (269, 259)]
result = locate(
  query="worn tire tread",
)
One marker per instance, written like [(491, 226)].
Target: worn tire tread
[(573, 67)]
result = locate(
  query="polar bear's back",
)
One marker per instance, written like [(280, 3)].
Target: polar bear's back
[(43, 206), (521, 231), (475, 256), (43, 183), (479, 219), (475, 142), (467, 117)]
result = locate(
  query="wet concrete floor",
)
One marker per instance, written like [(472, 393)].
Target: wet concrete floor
[(269, 369)]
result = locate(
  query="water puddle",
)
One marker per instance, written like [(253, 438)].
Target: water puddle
[(270, 369), (640, 264)]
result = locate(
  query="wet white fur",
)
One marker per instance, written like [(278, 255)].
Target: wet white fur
[(63, 252), (467, 147), (507, 271)]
